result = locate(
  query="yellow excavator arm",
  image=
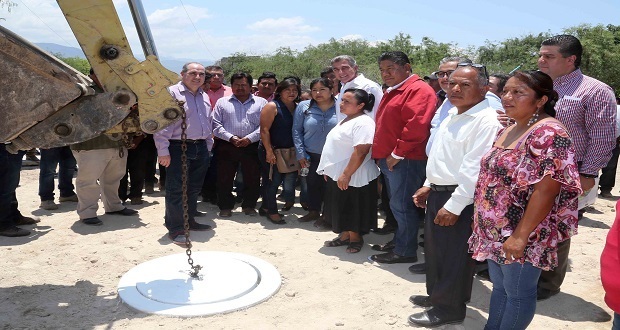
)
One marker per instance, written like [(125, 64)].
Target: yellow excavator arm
[(48, 104)]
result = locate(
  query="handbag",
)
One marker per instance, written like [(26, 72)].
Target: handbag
[(286, 160)]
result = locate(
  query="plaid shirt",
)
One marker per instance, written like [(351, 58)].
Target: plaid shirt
[(587, 107)]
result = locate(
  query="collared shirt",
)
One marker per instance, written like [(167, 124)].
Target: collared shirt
[(232, 117), (587, 107), (198, 118), (310, 128), (442, 113), (269, 99), (404, 120), (460, 142), (215, 95), (366, 84)]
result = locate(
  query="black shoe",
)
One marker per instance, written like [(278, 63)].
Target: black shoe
[(387, 247), (606, 194), (200, 214), (386, 229), (92, 221), (422, 301), (430, 320), (124, 211), (418, 268), (14, 232), (195, 226), (392, 258), (543, 294), (23, 220)]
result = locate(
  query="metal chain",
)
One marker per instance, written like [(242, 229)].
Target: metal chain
[(195, 269)]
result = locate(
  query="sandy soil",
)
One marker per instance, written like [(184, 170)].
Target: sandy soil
[(65, 274)]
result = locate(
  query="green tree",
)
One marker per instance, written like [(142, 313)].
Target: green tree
[(75, 62)]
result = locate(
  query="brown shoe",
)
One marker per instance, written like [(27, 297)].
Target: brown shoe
[(288, 206), (249, 211), (312, 215), (225, 213)]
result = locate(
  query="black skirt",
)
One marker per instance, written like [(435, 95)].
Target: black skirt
[(354, 209)]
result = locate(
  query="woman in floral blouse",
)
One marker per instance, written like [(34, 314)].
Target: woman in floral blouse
[(525, 199)]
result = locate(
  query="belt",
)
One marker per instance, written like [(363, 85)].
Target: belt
[(189, 141), (435, 187)]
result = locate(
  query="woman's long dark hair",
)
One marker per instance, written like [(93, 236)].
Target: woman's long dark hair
[(542, 85), (361, 96), (286, 83), (323, 81)]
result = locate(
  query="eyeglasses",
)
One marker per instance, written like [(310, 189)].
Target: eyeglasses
[(442, 74), (477, 66)]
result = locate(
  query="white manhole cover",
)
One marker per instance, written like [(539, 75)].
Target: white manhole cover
[(228, 282)]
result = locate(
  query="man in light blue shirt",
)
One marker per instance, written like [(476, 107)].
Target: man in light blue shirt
[(236, 124)]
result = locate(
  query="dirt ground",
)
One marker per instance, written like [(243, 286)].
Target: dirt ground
[(65, 275)]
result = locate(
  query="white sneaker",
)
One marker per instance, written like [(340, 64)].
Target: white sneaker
[(48, 205)]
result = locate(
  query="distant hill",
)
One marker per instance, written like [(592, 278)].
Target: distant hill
[(172, 64)]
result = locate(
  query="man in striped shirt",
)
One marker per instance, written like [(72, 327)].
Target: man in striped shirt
[(587, 108)]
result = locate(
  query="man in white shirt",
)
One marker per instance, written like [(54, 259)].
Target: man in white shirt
[(452, 171), (345, 69)]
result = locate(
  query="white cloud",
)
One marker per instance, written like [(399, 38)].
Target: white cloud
[(350, 37), (281, 25), (176, 15)]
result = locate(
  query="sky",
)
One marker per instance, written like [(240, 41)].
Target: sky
[(208, 30)]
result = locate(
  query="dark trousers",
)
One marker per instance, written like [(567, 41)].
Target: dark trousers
[(137, 167), (316, 184), (151, 159), (449, 266), (552, 280), (209, 186), (50, 159), (229, 158), (10, 165), (197, 163), (385, 203), (608, 175)]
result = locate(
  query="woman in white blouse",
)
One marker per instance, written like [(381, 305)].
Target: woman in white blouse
[(350, 173)]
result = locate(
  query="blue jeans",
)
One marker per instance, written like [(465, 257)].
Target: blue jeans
[(513, 300), (303, 194), (50, 158), (270, 187), (616, 324), (10, 165), (197, 164), (402, 182)]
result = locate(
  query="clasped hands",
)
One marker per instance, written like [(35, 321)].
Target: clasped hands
[(240, 142)]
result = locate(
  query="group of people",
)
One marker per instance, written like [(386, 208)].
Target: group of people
[(494, 168)]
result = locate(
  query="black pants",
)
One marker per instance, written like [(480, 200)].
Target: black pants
[(316, 184), (209, 186), (608, 175), (151, 159), (229, 158), (552, 280), (137, 167), (385, 203), (450, 268)]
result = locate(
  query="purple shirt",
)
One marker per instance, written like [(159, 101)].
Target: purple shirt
[(587, 107), (198, 111), (233, 118)]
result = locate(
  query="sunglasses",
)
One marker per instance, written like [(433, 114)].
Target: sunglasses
[(476, 66)]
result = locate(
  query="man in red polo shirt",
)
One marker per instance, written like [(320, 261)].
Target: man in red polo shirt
[(403, 128)]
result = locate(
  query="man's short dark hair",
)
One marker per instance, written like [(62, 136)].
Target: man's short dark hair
[(186, 66), (502, 80), (241, 75), (458, 59), (569, 46), (214, 68), (397, 57), (267, 75), (326, 71)]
